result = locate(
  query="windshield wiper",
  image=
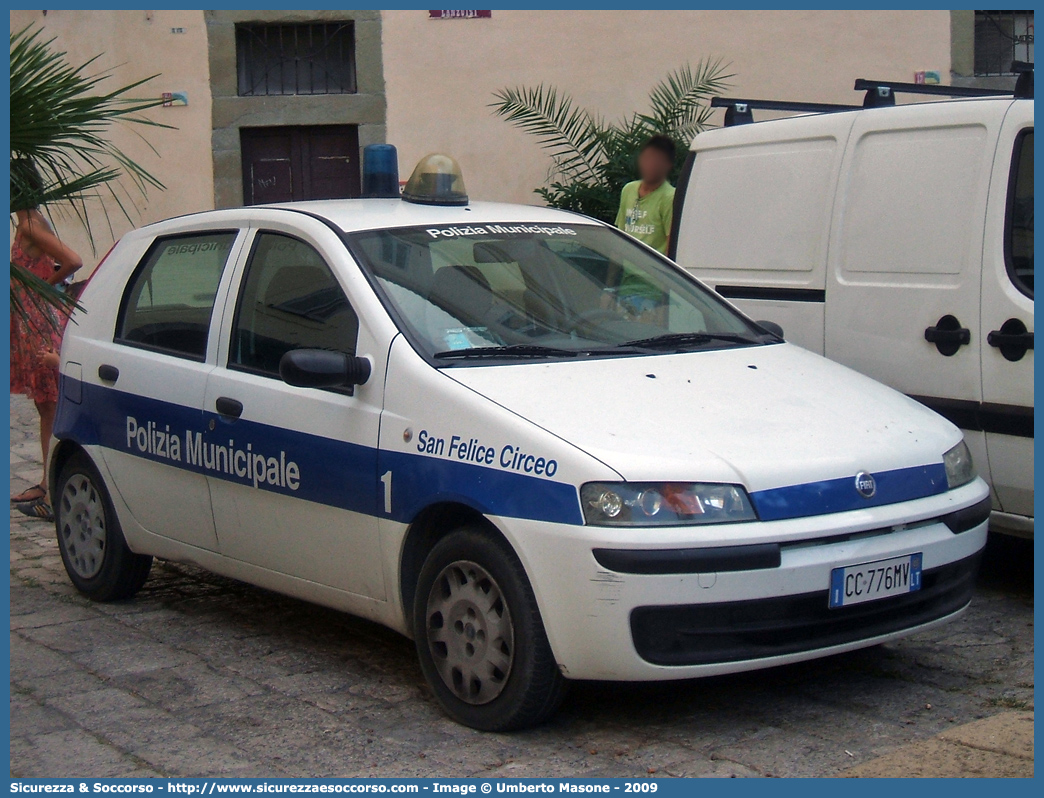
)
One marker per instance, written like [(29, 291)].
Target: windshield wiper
[(512, 350), (669, 340)]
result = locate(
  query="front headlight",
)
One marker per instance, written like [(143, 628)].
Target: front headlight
[(959, 467), (664, 504)]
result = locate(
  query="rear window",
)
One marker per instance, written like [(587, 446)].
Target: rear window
[(170, 300)]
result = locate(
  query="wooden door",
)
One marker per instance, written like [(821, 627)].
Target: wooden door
[(287, 164)]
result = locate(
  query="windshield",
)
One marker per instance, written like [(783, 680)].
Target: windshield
[(525, 291)]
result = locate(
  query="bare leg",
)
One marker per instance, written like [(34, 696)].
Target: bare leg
[(47, 411)]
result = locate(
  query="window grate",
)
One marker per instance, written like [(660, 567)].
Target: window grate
[(1002, 37), (316, 58)]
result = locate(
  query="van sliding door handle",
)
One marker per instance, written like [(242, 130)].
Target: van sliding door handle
[(948, 335), (231, 408)]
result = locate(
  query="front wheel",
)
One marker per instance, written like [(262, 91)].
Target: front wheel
[(480, 638), (96, 556)]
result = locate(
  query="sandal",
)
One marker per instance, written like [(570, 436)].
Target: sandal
[(33, 494), (37, 509)]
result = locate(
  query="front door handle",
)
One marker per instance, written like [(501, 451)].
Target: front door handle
[(231, 408), (948, 335), (1012, 339)]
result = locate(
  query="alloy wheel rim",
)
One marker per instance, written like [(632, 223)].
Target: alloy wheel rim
[(81, 526), (470, 633)]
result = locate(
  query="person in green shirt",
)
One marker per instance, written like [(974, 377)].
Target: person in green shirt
[(646, 210), (647, 204)]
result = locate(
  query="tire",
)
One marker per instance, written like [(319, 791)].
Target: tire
[(479, 636), (94, 551)]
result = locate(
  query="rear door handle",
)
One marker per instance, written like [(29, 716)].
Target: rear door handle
[(107, 373), (1001, 340), (232, 408), (1012, 339), (948, 335)]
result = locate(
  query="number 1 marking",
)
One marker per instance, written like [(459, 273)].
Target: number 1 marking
[(386, 481)]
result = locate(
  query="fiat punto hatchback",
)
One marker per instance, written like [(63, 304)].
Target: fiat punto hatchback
[(514, 434)]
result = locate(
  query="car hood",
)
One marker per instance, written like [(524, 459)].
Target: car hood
[(764, 416)]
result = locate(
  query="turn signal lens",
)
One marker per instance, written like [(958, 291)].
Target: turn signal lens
[(960, 470)]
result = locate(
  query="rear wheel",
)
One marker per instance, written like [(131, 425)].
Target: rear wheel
[(93, 549), (480, 638)]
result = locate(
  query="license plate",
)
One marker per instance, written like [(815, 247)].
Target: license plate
[(855, 584)]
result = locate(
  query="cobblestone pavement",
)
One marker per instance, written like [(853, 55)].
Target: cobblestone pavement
[(204, 676)]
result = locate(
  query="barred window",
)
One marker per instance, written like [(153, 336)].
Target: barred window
[(296, 59), (1000, 38)]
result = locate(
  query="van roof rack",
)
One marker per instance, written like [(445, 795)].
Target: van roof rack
[(739, 112), (881, 93)]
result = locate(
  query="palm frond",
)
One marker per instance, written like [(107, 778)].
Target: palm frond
[(60, 120), (571, 135), (699, 121), (591, 160), (678, 102)]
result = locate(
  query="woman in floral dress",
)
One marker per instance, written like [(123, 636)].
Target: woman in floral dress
[(36, 339)]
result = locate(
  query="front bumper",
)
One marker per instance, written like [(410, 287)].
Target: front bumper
[(750, 612), (703, 634)]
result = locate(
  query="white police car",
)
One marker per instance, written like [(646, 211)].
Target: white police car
[(535, 446)]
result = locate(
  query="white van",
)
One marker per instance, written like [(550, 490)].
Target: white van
[(895, 240)]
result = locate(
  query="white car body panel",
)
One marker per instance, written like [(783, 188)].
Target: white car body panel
[(763, 417)]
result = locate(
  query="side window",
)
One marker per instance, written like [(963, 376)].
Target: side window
[(289, 300), (170, 300), (1018, 237)]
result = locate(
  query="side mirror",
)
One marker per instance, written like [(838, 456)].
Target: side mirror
[(771, 327), (320, 368)]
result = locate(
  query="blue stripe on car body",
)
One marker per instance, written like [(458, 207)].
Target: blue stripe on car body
[(840, 495), (331, 472), (346, 475)]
